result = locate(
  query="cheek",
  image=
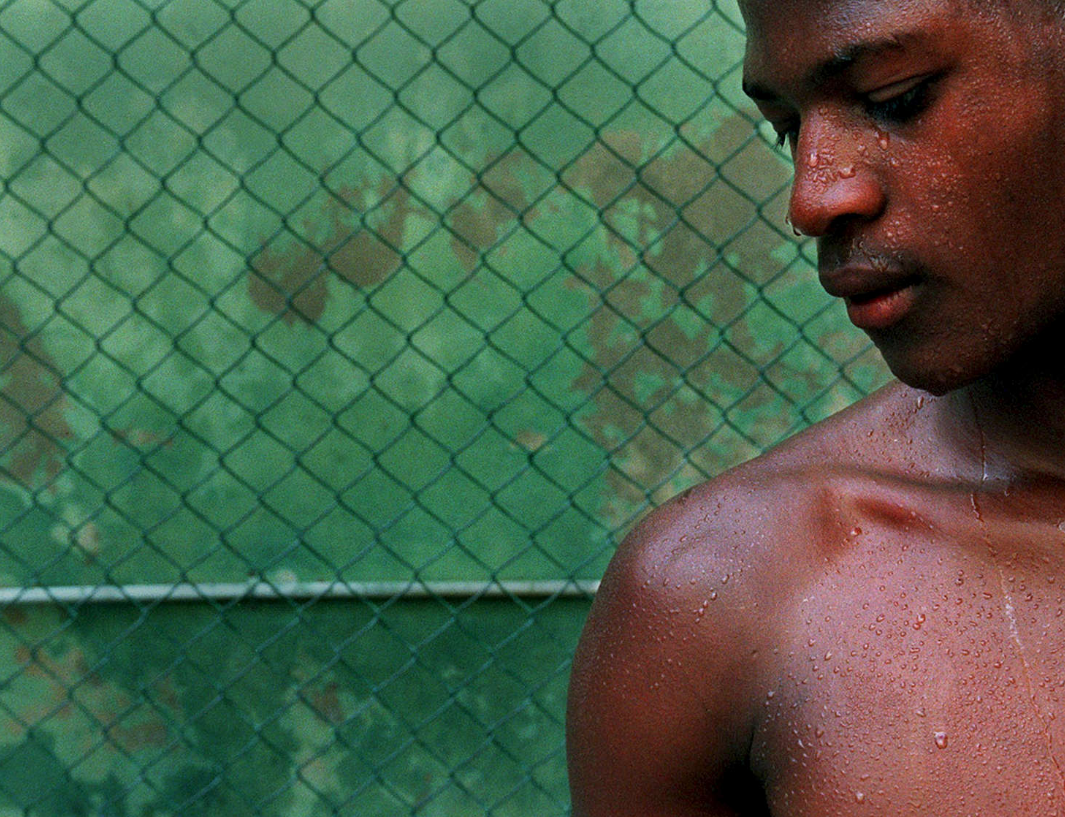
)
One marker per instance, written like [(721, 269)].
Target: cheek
[(1011, 170), (987, 202), (939, 205)]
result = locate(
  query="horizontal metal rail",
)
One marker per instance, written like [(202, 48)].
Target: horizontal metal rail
[(261, 590)]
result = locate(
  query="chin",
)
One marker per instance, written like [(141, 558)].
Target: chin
[(934, 386), (932, 374)]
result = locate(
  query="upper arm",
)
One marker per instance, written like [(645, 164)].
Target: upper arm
[(661, 698)]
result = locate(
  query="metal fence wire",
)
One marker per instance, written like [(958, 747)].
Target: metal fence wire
[(337, 340)]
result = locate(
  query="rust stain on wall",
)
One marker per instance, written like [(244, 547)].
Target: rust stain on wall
[(326, 703), (675, 221), (667, 299), (496, 197), (292, 281), (32, 403)]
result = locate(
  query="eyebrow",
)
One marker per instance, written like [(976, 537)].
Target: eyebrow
[(836, 65)]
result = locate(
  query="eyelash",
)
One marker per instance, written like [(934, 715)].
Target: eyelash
[(904, 107), (897, 110)]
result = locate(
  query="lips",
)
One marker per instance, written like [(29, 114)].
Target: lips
[(877, 297)]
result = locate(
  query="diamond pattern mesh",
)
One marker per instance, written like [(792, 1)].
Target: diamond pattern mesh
[(338, 342)]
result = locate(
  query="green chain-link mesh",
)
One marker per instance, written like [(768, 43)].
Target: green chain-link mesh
[(418, 300)]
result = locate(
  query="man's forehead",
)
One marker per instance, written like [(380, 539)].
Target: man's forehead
[(790, 40), (839, 16)]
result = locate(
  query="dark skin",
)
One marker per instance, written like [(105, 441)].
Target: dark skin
[(870, 619)]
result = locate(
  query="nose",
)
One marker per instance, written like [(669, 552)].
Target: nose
[(835, 183)]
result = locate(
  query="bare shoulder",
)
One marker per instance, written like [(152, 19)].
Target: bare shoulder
[(675, 661)]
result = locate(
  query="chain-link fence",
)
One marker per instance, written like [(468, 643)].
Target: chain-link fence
[(338, 339)]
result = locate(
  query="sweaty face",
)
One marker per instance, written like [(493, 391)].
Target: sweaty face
[(928, 139)]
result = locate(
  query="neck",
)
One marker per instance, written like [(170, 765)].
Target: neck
[(1017, 424)]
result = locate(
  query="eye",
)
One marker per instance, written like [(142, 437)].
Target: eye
[(901, 102)]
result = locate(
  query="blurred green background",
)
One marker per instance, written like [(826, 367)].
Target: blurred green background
[(417, 291)]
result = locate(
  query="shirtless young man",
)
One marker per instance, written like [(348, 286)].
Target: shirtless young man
[(871, 618)]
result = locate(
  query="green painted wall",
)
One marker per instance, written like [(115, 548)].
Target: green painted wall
[(336, 708)]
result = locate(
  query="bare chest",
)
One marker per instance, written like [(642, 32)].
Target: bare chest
[(932, 681)]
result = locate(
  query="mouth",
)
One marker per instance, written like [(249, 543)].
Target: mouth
[(881, 310), (876, 298)]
